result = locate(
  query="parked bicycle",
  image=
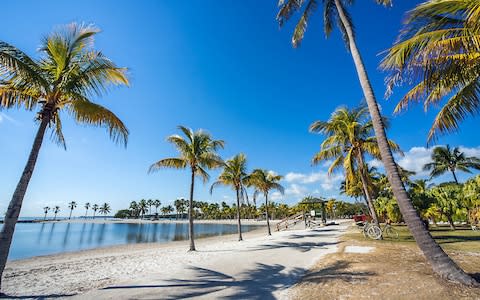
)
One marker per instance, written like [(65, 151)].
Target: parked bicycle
[(375, 232)]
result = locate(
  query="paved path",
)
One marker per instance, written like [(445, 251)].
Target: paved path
[(260, 268)]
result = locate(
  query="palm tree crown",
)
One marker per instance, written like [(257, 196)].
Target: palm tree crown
[(68, 72), (445, 159), (436, 55)]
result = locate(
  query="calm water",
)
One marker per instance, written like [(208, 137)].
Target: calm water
[(33, 239)]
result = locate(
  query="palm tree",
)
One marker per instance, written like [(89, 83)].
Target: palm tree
[(150, 203), (334, 11), (71, 205), (67, 74), (349, 136), (157, 204), (56, 211), (234, 174), (264, 181), (179, 206), (198, 152), (134, 208), (436, 56), (142, 207), (95, 207), (105, 209), (445, 159), (87, 206), (45, 210)]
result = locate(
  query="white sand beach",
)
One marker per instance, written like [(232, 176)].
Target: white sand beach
[(260, 267)]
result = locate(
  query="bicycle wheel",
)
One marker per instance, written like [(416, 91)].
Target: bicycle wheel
[(390, 232), (374, 232)]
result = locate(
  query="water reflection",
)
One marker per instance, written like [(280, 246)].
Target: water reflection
[(33, 239)]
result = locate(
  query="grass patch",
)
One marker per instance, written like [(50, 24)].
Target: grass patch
[(461, 239)]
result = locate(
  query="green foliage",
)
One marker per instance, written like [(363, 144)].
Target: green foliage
[(446, 159), (123, 214), (437, 56), (67, 75)]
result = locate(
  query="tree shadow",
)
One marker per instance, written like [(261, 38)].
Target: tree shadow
[(258, 283), (301, 236), (445, 239), (337, 270), (302, 247), (39, 297)]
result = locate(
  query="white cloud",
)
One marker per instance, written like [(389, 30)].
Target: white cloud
[(327, 182), (415, 159), (471, 151)]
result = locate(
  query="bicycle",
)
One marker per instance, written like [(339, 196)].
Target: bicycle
[(372, 231), (390, 232)]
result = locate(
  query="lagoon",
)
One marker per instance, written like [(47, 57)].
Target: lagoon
[(34, 239)]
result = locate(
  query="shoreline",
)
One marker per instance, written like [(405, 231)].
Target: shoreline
[(75, 273), (147, 221)]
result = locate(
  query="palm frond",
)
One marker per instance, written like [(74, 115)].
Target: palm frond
[(177, 163)]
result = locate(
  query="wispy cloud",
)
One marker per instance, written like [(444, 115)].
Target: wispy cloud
[(5, 117)]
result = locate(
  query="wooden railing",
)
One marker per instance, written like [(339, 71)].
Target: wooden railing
[(289, 221)]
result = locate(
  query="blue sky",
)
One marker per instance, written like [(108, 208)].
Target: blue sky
[(224, 66)]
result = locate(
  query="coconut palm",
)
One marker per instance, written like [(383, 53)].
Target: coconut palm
[(197, 152), (436, 56), (349, 136), (264, 181), (87, 206), (445, 159), (157, 204), (56, 211), (72, 206), (45, 210), (234, 174), (150, 204), (105, 209), (95, 207), (142, 207), (334, 12), (179, 206), (448, 200), (67, 75)]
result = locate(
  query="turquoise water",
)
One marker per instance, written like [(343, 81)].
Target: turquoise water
[(34, 239)]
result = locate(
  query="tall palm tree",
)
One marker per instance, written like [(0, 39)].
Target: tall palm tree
[(150, 204), (334, 12), (68, 72), (264, 181), (445, 159), (142, 207), (197, 152), (105, 209), (234, 174), (87, 206), (71, 205), (45, 210), (179, 206), (157, 204), (436, 56), (56, 211), (349, 136), (95, 207)]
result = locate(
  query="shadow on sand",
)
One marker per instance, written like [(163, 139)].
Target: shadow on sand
[(257, 283), (337, 270), (39, 297)]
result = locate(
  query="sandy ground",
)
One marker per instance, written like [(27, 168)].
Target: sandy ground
[(260, 267), (385, 271)]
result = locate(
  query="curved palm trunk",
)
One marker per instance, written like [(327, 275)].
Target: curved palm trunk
[(238, 217), (15, 205), (364, 179), (438, 259), (70, 216), (190, 213), (266, 213), (45, 217)]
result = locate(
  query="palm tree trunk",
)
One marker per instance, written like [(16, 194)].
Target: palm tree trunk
[(86, 213), (364, 179), (450, 221), (15, 205), (238, 217), (45, 217), (266, 213), (190, 213), (454, 176), (70, 216), (438, 259)]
